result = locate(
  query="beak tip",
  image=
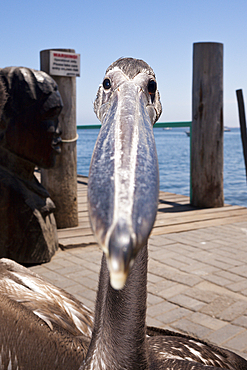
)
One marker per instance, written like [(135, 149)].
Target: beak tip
[(118, 280)]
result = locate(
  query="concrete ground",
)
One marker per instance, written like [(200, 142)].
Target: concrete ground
[(197, 282)]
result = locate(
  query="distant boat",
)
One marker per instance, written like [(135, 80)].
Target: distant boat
[(226, 129), (167, 128)]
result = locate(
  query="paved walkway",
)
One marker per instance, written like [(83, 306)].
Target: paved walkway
[(197, 281)]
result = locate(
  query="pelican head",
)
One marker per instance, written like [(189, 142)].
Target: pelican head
[(123, 178)]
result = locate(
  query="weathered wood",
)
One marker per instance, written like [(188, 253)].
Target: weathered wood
[(175, 214), (61, 181), (190, 217), (196, 225), (242, 122), (207, 126), (27, 224)]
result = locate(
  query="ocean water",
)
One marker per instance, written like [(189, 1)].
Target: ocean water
[(173, 148)]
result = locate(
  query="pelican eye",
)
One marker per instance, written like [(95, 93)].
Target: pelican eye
[(107, 84), (152, 86)]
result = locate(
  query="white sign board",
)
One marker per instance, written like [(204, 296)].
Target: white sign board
[(64, 64)]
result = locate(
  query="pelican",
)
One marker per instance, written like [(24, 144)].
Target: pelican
[(123, 192)]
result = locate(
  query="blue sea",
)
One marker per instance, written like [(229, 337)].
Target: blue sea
[(173, 148)]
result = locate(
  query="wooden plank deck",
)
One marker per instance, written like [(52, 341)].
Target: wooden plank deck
[(175, 214)]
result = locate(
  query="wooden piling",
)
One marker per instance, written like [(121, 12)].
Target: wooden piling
[(207, 126), (242, 122), (61, 180)]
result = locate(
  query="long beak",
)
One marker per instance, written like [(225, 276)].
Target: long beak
[(124, 181)]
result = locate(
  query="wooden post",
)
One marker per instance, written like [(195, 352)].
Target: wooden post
[(207, 126), (242, 121), (61, 180)]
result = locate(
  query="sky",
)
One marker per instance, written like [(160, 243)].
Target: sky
[(161, 32)]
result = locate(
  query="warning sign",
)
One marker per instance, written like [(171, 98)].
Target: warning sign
[(64, 64)]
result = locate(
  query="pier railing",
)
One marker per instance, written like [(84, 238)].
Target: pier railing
[(157, 124)]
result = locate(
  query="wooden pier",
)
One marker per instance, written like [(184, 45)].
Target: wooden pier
[(175, 215)]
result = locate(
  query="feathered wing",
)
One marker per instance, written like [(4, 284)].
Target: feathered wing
[(177, 350), (51, 304)]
